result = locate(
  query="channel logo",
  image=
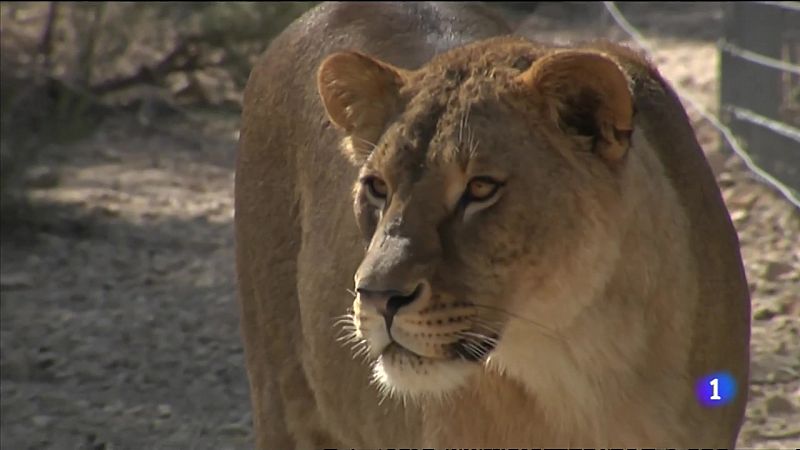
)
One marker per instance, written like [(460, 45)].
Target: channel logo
[(717, 389)]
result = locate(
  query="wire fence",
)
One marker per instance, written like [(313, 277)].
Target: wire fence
[(783, 129)]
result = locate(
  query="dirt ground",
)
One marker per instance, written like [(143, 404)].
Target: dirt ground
[(118, 313)]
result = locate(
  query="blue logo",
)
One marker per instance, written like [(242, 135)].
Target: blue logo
[(716, 389)]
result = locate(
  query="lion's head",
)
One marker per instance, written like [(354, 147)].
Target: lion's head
[(489, 178)]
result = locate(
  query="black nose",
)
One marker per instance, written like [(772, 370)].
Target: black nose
[(387, 302)]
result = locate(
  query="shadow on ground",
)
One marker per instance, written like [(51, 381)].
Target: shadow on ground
[(119, 321)]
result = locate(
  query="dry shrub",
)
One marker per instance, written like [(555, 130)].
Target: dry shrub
[(66, 66)]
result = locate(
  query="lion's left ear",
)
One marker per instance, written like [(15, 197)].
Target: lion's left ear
[(586, 94), (360, 95)]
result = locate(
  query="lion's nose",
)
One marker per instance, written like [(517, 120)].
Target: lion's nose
[(387, 302)]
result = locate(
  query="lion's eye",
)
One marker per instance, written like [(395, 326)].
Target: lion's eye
[(481, 189), (377, 187)]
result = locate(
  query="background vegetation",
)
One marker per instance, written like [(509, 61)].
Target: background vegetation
[(65, 66)]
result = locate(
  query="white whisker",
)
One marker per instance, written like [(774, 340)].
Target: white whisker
[(545, 330), (372, 145)]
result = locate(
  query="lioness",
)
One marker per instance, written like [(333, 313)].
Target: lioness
[(537, 248)]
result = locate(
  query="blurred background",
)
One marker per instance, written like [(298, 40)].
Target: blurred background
[(118, 130)]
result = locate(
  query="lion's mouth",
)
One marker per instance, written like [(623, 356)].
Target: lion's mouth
[(394, 347), (472, 349), (401, 370)]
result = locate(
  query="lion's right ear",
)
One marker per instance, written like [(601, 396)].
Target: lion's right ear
[(585, 93), (360, 95)]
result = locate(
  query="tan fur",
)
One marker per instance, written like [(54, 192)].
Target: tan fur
[(576, 306)]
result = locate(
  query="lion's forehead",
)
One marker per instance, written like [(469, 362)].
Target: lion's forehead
[(433, 132), (410, 146), (452, 116)]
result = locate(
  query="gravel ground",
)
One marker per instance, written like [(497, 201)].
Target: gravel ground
[(119, 322)]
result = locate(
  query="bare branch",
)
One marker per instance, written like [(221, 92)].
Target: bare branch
[(46, 41)]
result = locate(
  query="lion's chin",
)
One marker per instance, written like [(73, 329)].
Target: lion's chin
[(401, 372)]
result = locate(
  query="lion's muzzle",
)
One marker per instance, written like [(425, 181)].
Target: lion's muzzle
[(388, 302)]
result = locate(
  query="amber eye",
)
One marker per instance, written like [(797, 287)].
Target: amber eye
[(481, 189), (377, 187)]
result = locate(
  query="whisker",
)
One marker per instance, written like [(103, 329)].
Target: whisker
[(347, 335), (358, 345), (462, 124), (477, 352), (362, 352), (472, 142), (347, 330), (465, 120), (344, 335), (384, 391), (460, 129), (374, 146), (349, 338), (347, 325), (471, 348), (545, 329), (485, 325), (342, 321), (480, 337), (347, 316)]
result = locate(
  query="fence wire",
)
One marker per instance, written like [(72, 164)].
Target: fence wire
[(730, 138), (791, 6), (758, 58), (776, 127)]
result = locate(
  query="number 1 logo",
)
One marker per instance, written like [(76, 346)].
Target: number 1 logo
[(716, 389)]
